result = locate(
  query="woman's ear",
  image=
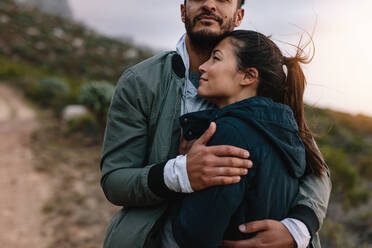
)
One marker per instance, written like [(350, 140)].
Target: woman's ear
[(250, 76)]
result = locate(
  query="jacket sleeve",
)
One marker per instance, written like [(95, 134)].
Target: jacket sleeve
[(311, 202), (204, 215), (123, 164)]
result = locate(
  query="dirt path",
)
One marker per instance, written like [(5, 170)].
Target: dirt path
[(23, 191)]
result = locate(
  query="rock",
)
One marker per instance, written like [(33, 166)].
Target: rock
[(72, 111), (77, 42), (32, 31), (4, 19), (130, 54), (59, 33)]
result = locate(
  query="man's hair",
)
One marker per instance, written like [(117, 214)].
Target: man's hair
[(240, 3)]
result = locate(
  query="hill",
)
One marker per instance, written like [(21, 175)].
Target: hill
[(346, 143), (61, 46), (56, 7)]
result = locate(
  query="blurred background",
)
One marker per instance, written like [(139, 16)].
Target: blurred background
[(59, 63)]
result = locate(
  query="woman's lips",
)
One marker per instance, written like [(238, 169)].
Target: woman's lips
[(202, 80)]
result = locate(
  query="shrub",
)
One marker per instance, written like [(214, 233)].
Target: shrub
[(366, 167), (9, 71), (50, 92), (356, 197), (96, 96)]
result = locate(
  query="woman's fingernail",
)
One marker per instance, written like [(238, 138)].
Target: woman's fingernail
[(242, 228)]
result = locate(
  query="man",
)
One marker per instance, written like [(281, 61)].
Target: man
[(140, 169)]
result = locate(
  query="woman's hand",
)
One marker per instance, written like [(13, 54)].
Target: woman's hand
[(215, 165), (270, 233)]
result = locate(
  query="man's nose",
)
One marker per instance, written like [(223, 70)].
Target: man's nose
[(210, 5)]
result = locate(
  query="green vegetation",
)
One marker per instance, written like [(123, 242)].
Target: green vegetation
[(335, 235), (50, 92), (16, 70), (60, 46), (97, 97), (346, 144), (51, 60)]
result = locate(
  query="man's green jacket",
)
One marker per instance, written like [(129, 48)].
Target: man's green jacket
[(142, 131)]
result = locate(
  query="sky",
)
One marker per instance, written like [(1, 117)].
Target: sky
[(338, 77)]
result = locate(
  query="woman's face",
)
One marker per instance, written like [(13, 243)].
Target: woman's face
[(220, 79)]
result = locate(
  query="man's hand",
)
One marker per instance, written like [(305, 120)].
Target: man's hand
[(215, 165), (270, 233)]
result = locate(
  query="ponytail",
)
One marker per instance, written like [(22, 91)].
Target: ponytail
[(293, 97), (256, 50)]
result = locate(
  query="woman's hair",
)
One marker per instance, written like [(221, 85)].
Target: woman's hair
[(255, 50)]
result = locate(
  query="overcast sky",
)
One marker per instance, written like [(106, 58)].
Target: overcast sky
[(339, 76)]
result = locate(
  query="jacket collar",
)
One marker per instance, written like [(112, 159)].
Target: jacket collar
[(178, 66)]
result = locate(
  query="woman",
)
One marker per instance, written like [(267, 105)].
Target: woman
[(260, 109)]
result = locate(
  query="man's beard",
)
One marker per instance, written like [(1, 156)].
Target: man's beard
[(205, 40)]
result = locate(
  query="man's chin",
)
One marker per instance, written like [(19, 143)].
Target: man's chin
[(207, 30), (207, 34), (205, 39)]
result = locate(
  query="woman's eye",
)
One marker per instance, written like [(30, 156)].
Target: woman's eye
[(216, 58)]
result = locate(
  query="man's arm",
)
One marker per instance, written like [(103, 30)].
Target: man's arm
[(124, 174)]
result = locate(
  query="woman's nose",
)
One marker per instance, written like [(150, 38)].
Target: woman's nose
[(202, 68)]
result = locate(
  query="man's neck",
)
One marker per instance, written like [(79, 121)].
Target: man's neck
[(196, 56)]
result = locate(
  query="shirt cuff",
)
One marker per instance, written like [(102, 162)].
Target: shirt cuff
[(175, 175), (157, 185), (298, 230)]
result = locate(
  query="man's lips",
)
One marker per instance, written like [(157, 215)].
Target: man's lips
[(207, 19), (211, 17)]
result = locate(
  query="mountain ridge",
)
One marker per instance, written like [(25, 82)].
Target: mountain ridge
[(56, 7)]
